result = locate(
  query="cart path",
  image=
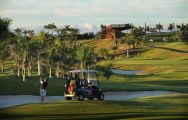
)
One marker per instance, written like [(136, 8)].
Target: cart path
[(13, 100)]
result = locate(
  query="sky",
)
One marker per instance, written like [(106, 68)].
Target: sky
[(88, 15)]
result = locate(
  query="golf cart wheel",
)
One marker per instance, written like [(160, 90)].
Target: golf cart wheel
[(101, 97), (80, 97), (90, 98), (68, 98)]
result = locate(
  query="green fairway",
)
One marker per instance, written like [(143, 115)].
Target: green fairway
[(163, 66), (11, 85), (161, 107), (156, 74)]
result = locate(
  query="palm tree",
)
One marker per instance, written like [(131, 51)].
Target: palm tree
[(82, 54), (74, 33), (107, 72), (4, 54), (137, 34), (50, 56), (104, 53), (39, 39), (177, 36), (4, 28), (24, 47), (114, 37), (183, 28), (114, 48), (127, 41), (147, 29), (32, 54), (16, 49), (152, 30), (50, 27), (4, 34), (171, 27), (159, 27)]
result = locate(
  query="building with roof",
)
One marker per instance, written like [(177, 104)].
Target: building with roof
[(108, 31)]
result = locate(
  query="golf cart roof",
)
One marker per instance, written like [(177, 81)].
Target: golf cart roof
[(82, 71)]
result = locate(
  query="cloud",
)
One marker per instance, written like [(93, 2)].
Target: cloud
[(89, 27), (89, 13)]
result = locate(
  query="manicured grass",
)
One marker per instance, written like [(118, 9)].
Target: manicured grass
[(12, 85), (171, 77), (157, 74), (162, 107), (163, 68)]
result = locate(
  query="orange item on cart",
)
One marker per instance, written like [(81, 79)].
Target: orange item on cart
[(72, 86)]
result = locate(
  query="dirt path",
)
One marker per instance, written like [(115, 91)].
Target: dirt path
[(13, 100)]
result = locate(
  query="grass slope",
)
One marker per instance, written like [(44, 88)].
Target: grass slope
[(157, 74), (166, 51), (161, 107)]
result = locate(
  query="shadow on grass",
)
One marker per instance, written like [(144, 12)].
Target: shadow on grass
[(171, 49), (108, 116), (166, 82)]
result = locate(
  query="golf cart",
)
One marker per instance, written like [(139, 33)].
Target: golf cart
[(83, 84)]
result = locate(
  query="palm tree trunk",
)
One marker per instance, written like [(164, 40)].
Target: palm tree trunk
[(24, 73), (2, 68), (50, 74), (22, 70), (18, 73), (39, 67), (29, 70), (127, 51), (82, 65), (58, 70)]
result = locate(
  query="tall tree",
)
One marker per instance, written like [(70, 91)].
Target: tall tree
[(16, 49), (171, 27), (50, 27), (82, 54), (137, 34), (107, 72), (104, 53), (4, 28), (177, 36), (127, 41), (40, 40), (24, 47), (159, 27), (114, 37), (4, 54), (4, 35)]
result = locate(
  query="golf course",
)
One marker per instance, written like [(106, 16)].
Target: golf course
[(93, 60), (166, 73)]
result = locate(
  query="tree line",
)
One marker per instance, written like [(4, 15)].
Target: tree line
[(56, 50), (53, 50)]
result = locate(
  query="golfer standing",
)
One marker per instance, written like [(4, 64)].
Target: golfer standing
[(44, 84)]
